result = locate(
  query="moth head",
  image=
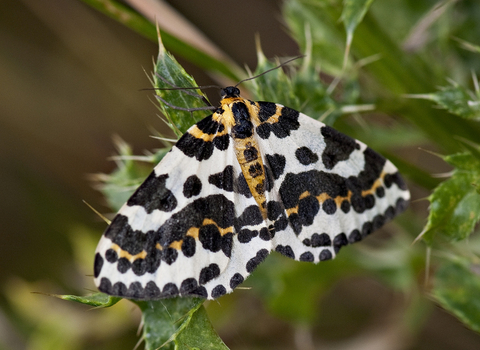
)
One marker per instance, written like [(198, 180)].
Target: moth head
[(230, 91)]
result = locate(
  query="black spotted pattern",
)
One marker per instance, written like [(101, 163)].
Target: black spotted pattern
[(306, 156), (224, 179), (240, 186), (285, 250), (193, 287), (97, 265), (287, 121), (251, 216), (200, 149), (256, 260), (276, 163), (209, 273), (152, 194), (236, 280), (338, 146), (192, 186), (317, 182), (267, 109), (218, 291), (307, 256)]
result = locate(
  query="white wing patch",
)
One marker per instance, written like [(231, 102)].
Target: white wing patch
[(251, 178)]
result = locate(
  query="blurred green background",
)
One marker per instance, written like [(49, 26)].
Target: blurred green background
[(70, 80)]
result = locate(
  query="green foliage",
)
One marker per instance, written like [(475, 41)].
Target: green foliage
[(455, 203), (457, 286), (457, 100), (97, 299), (178, 323), (169, 74)]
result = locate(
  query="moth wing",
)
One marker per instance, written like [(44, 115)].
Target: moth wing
[(332, 190), (178, 233)]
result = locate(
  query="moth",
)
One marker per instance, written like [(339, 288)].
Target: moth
[(251, 178)]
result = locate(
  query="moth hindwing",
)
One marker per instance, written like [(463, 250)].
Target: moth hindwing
[(250, 178)]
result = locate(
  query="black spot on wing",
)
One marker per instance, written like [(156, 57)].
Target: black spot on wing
[(97, 265), (169, 290), (218, 291), (189, 246), (224, 179), (133, 242), (192, 186), (152, 194), (256, 260), (240, 186), (339, 241), (287, 121), (189, 287), (395, 178), (123, 265), (285, 250), (236, 280), (306, 156), (338, 146), (151, 291), (267, 109), (111, 255), (277, 164), (209, 126), (221, 142), (209, 273), (325, 255), (250, 216), (246, 235), (192, 146), (210, 237), (215, 207), (307, 256)]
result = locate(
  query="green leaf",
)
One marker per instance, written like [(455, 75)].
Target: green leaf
[(178, 323), (455, 203), (170, 74), (352, 14), (455, 99), (457, 287), (99, 300), (118, 186)]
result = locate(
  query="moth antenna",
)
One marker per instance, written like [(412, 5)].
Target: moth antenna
[(185, 89), (206, 108), (269, 70), (98, 213)]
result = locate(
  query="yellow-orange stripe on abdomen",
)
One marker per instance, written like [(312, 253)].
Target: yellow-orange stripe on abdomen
[(237, 115)]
